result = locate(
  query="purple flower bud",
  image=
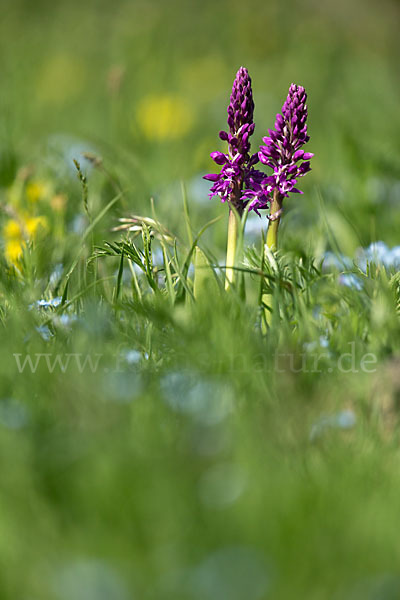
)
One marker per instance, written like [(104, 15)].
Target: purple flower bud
[(280, 122), (211, 177), (298, 154), (219, 158), (245, 139)]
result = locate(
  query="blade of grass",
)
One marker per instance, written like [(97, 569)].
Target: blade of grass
[(117, 289), (87, 232), (186, 214)]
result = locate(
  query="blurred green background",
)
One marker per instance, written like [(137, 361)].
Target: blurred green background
[(130, 482), (146, 85)]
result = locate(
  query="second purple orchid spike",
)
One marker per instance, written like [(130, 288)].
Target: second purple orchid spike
[(282, 151), (282, 148)]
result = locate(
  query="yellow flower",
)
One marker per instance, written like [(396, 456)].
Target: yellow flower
[(16, 232), (12, 230), (13, 250), (164, 117), (37, 190), (32, 224)]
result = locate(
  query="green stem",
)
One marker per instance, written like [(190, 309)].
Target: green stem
[(272, 244), (231, 247), (272, 234)]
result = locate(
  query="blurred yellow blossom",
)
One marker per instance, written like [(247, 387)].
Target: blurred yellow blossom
[(37, 190), (32, 224), (13, 251), (14, 240), (164, 117), (17, 232), (12, 229)]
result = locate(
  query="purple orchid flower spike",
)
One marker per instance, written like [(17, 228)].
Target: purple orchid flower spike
[(282, 150), (284, 154), (237, 172)]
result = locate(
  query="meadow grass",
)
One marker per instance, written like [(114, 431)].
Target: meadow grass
[(158, 438)]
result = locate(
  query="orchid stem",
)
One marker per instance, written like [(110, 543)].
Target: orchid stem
[(272, 234), (233, 224), (272, 244)]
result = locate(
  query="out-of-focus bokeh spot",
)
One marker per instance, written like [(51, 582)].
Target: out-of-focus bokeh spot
[(37, 190), (60, 79), (164, 117)]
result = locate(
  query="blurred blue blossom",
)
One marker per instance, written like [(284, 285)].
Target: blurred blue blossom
[(56, 274), (379, 253), (63, 149), (350, 280), (255, 225), (221, 485), (66, 320), (323, 342), (132, 357), (53, 303), (338, 261), (89, 579), (345, 419), (230, 573), (198, 189), (208, 402), (78, 224), (123, 387), (44, 332), (13, 414)]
